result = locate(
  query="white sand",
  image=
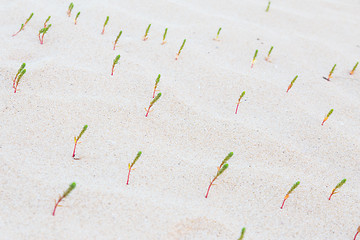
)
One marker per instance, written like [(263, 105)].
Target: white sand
[(277, 138)]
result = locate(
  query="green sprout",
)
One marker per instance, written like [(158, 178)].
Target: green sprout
[(70, 8), (105, 23), (76, 139), (339, 185), (217, 35), (23, 71), (226, 159), (46, 21), (43, 31), (23, 25), (146, 32), (289, 192), (292, 82), (182, 46), (117, 38), (164, 36), (219, 172), (18, 72), (152, 103), (241, 96), (132, 164), (330, 74), (268, 56), (327, 116), (156, 84), (268, 6), (254, 58), (65, 194), (116, 61), (354, 68), (242, 234), (77, 16)]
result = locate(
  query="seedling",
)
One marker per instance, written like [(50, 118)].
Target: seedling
[(268, 6), (152, 103), (77, 15), (164, 36), (182, 46), (254, 58), (146, 33), (156, 84), (17, 74), (23, 25), (358, 230), (327, 116), (288, 193), (217, 35), (292, 82), (117, 38), (241, 96), (105, 23), (70, 8), (268, 56), (330, 74), (18, 79), (76, 139), (46, 21), (354, 68), (43, 31), (225, 160), (131, 165), (242, 234), (65, 194), (116, 61), (339, 185), (219, 172)]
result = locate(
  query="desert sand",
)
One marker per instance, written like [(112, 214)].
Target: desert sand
[(276, 137)]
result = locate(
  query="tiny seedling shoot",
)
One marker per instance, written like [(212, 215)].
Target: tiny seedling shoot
[(70, 8), (327, 116), (76, 18), (116, 61), (23, 25), (254, 58), (131, 165), (242, 234), (65, 194), (291, 84), (182, 46), (241, 96), (105, 23), (339, 185), (18, 73), (156, 84), (146, 33), (268, 56), (117, 39), (225, 160), (152, 103), (46, 21), (354, 68), (290, 191), (43, 31), (268, 7), (219, 172), (164, 36), (358, 231), (76, 139), (330, 74), (217, 35), (23, 71)]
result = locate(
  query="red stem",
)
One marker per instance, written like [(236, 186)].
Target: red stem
[(147, 113), (207, 193), (356, 235), (288, 88), (283, 203), (237, 107), (154, 92), (103, 30), (112, 70), (114, 46), (56, 204), (331, 195), (17, 32), (40, 39), (127, 183), (74, 149)]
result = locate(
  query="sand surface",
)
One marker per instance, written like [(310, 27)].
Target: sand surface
[(276, 137)]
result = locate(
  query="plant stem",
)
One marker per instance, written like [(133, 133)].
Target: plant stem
[(241, 96), (164, 36), (56, 204), (211, 183), (254, 58), (106, 22), (74, 148), (353, 70)]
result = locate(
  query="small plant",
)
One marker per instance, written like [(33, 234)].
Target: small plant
[(327, 116), (76, 139), (217, 35), (242, 234), (65, 194), (182, 46), (116, 61), (290, 191), (225, 160), (330, 74), (46, 21), (268, 7), (23, 25), (156, 84), (354, 68), (164, 36), (152, 103), (268, 56), (43, 31), (70, 8), (219, 172), (23, 71), (254, 58), (358, 231), (146, 33), (105, 23), (339, 185), (291, 84), (131, 165), (17, 74), (241, 96), (117, 38), (77, 16)]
